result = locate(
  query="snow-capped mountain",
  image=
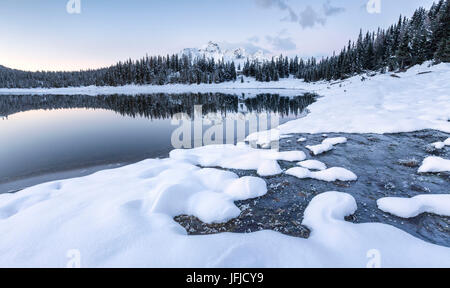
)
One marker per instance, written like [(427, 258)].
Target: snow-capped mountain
[(213, 50)]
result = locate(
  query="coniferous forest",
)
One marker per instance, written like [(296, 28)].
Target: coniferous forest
[(423, 37)]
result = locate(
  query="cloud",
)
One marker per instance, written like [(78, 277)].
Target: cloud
[(281, 43), (254, 39), (248, 46), (331, 10), (282, 5), (308, 18)]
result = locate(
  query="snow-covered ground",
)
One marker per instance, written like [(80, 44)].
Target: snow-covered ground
[(416, 101), (124, 218), (285, 87)]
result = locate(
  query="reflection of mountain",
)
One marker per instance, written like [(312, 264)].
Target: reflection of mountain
[(159, 106)]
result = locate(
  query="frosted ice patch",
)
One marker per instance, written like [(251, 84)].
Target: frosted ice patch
[(412, 207), (434, 165)]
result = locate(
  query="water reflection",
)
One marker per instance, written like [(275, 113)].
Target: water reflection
[(41, 135), (160, 106)]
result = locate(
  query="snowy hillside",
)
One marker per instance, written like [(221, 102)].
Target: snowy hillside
[(415, 100), (213, 51)]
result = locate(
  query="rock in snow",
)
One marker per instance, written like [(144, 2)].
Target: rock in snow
[(412, 207), (319, 149), (328, 175), (434, 165), (327, 145), (312, 165)]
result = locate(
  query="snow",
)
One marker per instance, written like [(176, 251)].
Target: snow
[(335, 141), (300, 140), (250, 87), (410, 208), (441, 145), (312, 165), (434, 164), (380, 104), (240, 156), (328, 175), (327, 145), (438, 145), (320, 149), (238, 55), (124, 218)]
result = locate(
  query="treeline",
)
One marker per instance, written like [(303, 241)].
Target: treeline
[(170, 70), (156, 70), (159, 106), (424, 37)]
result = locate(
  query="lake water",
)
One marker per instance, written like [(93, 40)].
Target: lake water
[(44, 138)]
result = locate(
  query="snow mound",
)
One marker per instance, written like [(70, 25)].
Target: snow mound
[(434, 165), (320, 149), (312, 165), (238, 156), (327, 145), (328, 175), (300, 140), (412, 207), (124, 218), (335, 141), (441, 145), (438, 145)]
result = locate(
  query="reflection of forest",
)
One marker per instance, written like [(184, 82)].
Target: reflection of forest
[(159, 106)]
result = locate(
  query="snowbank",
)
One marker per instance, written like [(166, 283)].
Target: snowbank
[(286, 87), (328, 175), (124, 218), (380, 104), (409, 208), (434, 164), (238, 156)]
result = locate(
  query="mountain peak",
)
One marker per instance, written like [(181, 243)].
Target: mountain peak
[(212, 50)]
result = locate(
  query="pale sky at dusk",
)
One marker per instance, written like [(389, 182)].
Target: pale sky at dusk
[(41, 35)]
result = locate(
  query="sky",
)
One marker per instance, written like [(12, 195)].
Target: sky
[(43, 35)]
